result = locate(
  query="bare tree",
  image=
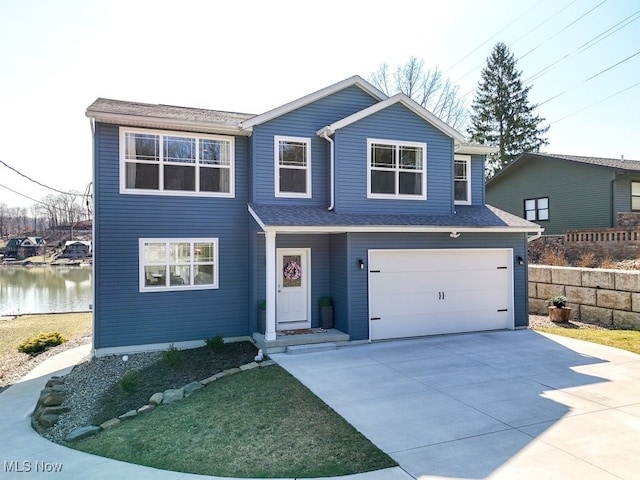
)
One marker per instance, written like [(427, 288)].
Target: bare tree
[(427, 87)]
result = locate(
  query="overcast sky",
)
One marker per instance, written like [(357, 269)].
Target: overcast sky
[(57, 57)]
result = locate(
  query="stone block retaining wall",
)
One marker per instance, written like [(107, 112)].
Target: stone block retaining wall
[(606, 297)]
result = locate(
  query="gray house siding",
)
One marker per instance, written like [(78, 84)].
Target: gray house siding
[(359, 245), (580, 196), (622, 191), (340, 281), (302, 122), (123, 315), (477, 180), (393, 123)]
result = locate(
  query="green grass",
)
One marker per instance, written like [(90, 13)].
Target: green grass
[(16, 331), (260, 423), (624, 339)]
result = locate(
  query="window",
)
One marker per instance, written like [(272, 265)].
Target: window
[(397, 169), (293, 167), (178, 264), (170, 163), (536, 209), (635, 195), (462, 179)]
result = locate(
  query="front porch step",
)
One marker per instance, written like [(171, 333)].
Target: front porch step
[(280, 344), (310, 348)]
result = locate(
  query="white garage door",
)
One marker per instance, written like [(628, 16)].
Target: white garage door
[(430, 292)]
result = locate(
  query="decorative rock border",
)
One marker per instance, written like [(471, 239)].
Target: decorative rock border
[(49, 406)]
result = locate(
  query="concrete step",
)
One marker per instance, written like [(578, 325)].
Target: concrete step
[(310, 348)]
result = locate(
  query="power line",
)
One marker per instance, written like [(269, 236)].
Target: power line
[(591, 78), (596, 103), (60, 209), (35, 181)]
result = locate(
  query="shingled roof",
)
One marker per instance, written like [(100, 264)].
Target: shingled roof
[(144, 114), (465, 217)]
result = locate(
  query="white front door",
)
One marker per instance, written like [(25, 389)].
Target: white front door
[(293, 283)]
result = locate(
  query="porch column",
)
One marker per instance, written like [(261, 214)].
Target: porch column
[(270, 273)]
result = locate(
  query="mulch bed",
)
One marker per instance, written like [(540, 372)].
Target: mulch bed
[(195, 365)]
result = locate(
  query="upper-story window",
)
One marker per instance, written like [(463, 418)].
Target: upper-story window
[(172, 163), (462, 179), (292, 167), (635, 195), (396, 169), (536, 209)]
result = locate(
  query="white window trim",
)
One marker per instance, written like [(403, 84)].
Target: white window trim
[(276, 171), (467, 159), (397, 144), (143, 288), (176, 193)]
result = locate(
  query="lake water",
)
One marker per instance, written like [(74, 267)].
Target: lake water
[(44, 289)]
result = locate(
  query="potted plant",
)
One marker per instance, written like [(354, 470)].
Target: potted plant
[(559, 312), (262, 316), (326, 312)]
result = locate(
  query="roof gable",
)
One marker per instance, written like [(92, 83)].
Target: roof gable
[(404, 100), (356, 80)]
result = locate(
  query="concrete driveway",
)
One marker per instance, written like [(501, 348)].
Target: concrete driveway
[(499, 405)]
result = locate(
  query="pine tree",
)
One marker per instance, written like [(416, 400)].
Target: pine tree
[(501, 114)]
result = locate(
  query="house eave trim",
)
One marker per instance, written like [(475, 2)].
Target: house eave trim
[(391, 229), (474, 149), (165, 123)]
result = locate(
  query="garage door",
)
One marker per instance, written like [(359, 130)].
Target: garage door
[(430, 292)]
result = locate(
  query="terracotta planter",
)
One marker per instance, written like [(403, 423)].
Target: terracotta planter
[(559, 315)]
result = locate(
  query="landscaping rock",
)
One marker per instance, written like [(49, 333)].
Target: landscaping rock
[(110, 423), (52, 399), (48, 420), (192, 387), (249, 366), (267, 363), (82, 432), (129, 415), (156, 398), (208, 380), (231, 371), (53, 381), (145, 409), (57, 410), (172, 395)]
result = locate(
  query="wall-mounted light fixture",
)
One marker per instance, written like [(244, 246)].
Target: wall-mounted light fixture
[(361, 264), (454, 234), (520, 260)]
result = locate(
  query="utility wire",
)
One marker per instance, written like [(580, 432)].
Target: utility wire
[(35, 181), (596, 103), (590, 78), (63, 210)]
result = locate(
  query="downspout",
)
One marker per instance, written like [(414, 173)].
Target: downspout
[(92, 123), (535, 237), (325, 135)]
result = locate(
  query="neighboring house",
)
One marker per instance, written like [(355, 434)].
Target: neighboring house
[(23, 247), (565, 192), (75, 249), (201, 215)]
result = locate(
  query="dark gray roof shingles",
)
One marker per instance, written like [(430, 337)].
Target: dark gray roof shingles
[(602, 162), (465, 216)]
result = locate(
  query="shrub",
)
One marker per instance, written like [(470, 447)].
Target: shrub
[(587, 260), (215, 344), (35, 345), (608, 262), (172, 356), (325, 301), (128, 382), (549, 257)]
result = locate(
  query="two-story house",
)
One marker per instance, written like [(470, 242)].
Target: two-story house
[(201, 215)]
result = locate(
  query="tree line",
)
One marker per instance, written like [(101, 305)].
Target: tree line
[(501, 114), (61, 211)]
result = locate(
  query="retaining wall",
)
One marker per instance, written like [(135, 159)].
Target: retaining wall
[(606, 297)]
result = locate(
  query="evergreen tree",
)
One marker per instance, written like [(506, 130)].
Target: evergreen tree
[(501, 114)]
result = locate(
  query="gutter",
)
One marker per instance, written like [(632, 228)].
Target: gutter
[(324, 133), (92, 123), (535, 237)]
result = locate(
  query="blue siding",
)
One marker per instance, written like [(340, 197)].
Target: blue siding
[(359, 245), (393, 123), (477, 179), (123, 315), (340, 277), (303, 122)]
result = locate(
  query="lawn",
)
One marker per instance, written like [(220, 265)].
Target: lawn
[(623, 339), (14, 332), (260, 423)]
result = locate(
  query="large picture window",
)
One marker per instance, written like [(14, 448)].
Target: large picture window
[(536, 209), (462, 179), (178, 264), (170, 163), (292, 167), (396, 169)]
